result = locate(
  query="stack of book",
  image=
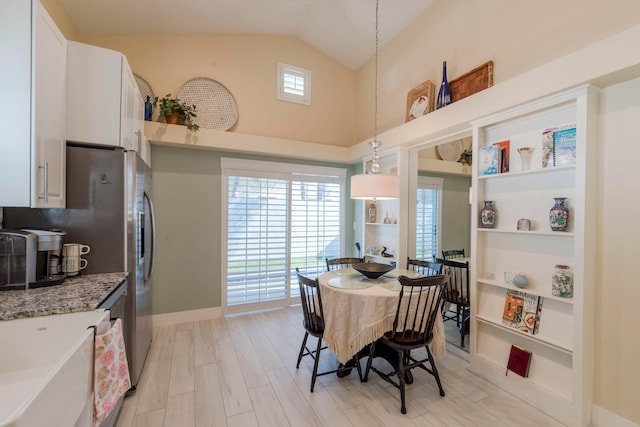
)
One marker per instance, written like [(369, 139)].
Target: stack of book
[(559, 146), (494, 158)]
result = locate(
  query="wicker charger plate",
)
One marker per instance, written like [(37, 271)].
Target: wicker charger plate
[(216, 107), (144, 88)]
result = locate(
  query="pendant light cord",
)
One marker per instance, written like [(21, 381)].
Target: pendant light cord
[(375, 144)]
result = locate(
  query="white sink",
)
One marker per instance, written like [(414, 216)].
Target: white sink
[(46, 368)]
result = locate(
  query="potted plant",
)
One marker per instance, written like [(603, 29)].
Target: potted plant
[(466, 157), (176, 112)]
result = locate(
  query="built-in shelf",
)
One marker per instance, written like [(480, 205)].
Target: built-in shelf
[(548, 295), (530, 232), (537, 337), (380, 223), (527, 172)]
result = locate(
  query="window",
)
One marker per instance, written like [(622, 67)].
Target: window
[(428, 223), (277, 217), (294, 84)]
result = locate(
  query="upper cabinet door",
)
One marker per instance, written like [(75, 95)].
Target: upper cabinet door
[(32, 141), (94, 92), (132, 111), (48, 140)]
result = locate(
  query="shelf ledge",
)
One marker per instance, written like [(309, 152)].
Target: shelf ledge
[(554, 345), (531, 232), (503, 285)]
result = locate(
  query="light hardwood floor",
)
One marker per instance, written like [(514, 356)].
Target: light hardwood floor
[(240, 371)]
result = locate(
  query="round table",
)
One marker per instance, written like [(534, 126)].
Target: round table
[(358, 311)]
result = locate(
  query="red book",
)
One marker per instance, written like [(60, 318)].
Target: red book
[(519, 361), (504, 154)]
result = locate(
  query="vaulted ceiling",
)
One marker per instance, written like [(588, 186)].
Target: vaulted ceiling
[(342, 29)]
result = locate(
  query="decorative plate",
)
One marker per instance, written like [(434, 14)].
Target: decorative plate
[(144, 88), (450, 151), (420, 100), (215, 106)]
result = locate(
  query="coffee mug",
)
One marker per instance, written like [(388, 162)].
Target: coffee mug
[(74, 249), (71, 265)]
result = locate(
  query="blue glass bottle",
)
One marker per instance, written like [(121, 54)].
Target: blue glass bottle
[(148, 109), (444, 94)]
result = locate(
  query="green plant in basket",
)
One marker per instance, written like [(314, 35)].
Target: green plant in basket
[(176, 112)]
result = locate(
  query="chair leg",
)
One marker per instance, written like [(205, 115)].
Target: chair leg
[(402, 360), (315, 364), (434, 370), (304, 343)]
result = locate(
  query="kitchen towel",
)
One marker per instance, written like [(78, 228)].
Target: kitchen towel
[(111, 372)]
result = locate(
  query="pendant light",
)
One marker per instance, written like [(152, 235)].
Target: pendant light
[(373, 185)]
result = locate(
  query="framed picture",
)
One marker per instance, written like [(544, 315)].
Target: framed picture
[(420, 100)]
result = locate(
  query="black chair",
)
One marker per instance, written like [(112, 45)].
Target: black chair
[(313, 323), (418, 306), (426, 268), (456, 292), (453, 253), (336, 263)]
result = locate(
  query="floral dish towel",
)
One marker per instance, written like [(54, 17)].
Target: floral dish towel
[(111, 372)]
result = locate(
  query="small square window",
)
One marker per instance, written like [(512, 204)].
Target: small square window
[(294, 84)]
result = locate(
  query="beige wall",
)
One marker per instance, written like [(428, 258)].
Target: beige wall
[(515, 35), (617, 374), (246, 65)]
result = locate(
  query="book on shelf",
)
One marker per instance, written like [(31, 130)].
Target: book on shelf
[(504, 154), (522, 311), (488, 160), (564, 146), (559, 146), (519, 361)]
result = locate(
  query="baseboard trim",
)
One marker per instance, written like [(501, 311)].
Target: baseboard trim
[(167, 319), (601, 417)]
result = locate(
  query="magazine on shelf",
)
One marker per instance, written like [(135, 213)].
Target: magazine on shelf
[(488, 160), (503, 156), (559, 146), (522, 311), (564, 146)]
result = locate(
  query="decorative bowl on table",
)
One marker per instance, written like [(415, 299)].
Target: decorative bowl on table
[(373, 270)]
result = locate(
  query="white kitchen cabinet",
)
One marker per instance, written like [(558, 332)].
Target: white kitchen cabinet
[(32, 164), (560, 380), (104, 106)]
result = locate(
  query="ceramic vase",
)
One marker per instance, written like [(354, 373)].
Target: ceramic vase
[(488, 215), (562, 282), (559, 215)]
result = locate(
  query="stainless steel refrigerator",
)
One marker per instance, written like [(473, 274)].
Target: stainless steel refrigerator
[(109, 208)]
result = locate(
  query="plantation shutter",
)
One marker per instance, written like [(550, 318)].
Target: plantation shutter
[(428, 219)]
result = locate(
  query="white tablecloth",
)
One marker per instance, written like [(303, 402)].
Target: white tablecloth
[(358, 311)]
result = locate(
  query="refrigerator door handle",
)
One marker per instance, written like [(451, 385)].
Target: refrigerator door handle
[(152, 222)]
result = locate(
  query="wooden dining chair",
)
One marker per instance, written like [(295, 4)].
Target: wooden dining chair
[(426, 268), (418, 307), (456, 292), (336, 263), (313, 323), (453, 253)]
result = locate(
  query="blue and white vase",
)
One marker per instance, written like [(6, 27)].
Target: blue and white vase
[(488, 215), (559, 215)]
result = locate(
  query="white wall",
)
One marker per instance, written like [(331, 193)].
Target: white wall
[(617, 373)]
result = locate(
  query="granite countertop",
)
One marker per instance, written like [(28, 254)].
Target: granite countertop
[(81, 293)]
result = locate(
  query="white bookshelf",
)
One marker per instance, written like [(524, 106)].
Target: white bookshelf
[(560, 376)]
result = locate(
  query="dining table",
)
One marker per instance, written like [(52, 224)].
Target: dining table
[(359, 310)]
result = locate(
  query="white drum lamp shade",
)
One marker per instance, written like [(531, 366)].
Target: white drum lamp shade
[(375, 186)]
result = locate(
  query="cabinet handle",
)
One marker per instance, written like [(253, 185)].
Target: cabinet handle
[(46, 182), (139, 144)]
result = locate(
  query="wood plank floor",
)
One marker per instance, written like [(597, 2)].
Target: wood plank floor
[(240, 371)]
